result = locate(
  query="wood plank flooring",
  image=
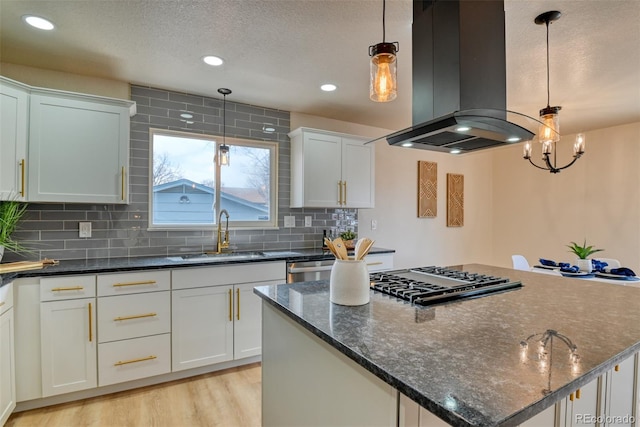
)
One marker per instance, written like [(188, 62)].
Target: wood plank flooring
[(227, 398)]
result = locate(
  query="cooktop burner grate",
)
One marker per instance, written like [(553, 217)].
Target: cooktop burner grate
[(432, 285)]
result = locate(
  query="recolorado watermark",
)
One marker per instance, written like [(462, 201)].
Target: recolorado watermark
[(604, 419)]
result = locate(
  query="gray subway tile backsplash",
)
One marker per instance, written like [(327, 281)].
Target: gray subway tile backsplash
[(121, 230)]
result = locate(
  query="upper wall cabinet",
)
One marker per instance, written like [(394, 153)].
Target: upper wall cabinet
[(331, 170), (78, 148), (60, 146), (14, 111)]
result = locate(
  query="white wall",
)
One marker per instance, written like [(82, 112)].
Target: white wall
[(537, 214)]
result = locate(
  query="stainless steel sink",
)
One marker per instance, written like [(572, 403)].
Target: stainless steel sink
[(213, 257)]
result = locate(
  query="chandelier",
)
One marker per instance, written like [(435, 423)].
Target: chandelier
[(383, 68), (549, 128)]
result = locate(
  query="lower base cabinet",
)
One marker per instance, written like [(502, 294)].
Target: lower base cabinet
[(69, 346), (7, 356)]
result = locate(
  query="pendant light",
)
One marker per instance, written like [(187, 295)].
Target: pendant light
[(549, 128), (224, 148), (383, 67)]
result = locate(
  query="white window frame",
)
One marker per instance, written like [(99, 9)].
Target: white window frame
[(272, 223)]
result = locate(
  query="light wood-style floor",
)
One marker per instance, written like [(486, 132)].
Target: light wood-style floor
[(227, 398)]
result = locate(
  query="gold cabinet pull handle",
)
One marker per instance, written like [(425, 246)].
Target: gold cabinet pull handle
[(135, 316), (345, 192), (340, 191), (1, 303), (571, 397), (578, 394), (22, 168), (238, 303), (70, 288), (142, 282), (123, 182), (230, 305), (617, 368), (142, 359), (90, 324)]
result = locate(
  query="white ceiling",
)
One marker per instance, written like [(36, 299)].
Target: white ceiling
[(278, 52)]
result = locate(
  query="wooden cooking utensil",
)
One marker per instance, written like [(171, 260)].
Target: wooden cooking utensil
[(361, 247), (341, 248), (331, 247), (366, 249)]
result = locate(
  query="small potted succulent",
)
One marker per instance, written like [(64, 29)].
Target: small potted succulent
[(582, 252), (348, 237), (10, 214)]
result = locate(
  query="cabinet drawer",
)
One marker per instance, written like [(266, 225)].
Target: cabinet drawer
[(68, 287), (379, 262), (6, 297), (129, 360), (132, 316), (133, 283), (227, 275)]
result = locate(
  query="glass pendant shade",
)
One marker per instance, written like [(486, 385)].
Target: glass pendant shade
[(224, 155), (383, 73), (549, 129)]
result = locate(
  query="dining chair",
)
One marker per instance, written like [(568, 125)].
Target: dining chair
[(520, 263), (611, 262)]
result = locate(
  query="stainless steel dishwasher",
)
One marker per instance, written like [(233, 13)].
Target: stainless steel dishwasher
[(309, 270)]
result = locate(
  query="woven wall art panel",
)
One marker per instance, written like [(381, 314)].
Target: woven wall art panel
[(455, 200), (427, 189)]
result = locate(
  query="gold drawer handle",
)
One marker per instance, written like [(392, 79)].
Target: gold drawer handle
[(142, 359), (90, 324), (375, 263), (230, 305), (72, 288), (22, 178), (143, 282), (617, 368), (578, 394), (135, 316)]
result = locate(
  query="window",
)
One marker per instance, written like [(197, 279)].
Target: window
[(187, 185)]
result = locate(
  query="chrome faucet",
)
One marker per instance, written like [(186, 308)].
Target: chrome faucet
[(223, 243)]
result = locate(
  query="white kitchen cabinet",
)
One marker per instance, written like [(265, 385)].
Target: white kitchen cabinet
[(14, 110), (621, 393), (68, 334), (78, 148), (202, 326), (582, 407), (331, 170), (7, 355), (379, 262), (69, 346), (215, 316)]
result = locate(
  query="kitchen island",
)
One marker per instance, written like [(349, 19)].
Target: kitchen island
[(463, 361)]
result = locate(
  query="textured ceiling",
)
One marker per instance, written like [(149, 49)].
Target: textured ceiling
[(278, 52)]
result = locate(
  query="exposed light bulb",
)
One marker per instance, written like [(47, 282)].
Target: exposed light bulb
[(383, 87)]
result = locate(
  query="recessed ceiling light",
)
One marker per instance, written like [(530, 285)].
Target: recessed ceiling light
[(213, 60), (513, 139), (406, 144), (455, 151), (328, 87), (38, 22), (463, 128)]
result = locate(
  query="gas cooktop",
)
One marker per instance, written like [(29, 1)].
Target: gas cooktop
[(434, 285)]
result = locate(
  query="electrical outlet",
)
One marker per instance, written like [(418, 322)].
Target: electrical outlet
[(289, 221), (84, 229), (307, 221), (374, 224)]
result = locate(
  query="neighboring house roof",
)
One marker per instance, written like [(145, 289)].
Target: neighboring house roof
[(246, 196)]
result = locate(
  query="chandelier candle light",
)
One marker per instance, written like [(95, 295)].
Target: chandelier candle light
[(224, 148), (549, 129), (383, 67)]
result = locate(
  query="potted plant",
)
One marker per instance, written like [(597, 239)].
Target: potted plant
[(348, 238), (582, 252), (10, 214)]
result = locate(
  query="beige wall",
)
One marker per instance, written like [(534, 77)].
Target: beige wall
[(537, 214), (64, 81)]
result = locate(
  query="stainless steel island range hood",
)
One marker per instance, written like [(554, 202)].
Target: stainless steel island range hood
[(459, 79)]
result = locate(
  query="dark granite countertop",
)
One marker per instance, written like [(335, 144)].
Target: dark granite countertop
[(106, 265), (463, 360)]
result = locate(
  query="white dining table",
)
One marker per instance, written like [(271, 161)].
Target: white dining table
[(632, 283)]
